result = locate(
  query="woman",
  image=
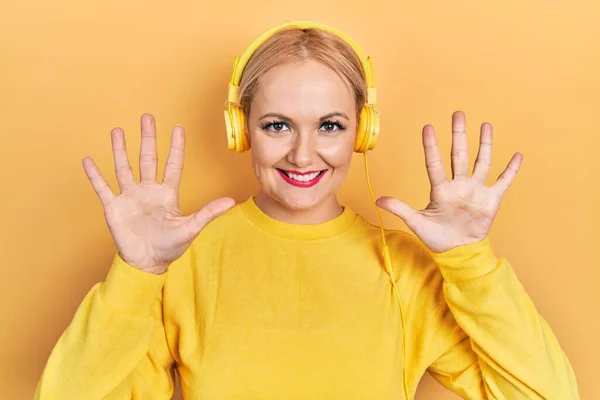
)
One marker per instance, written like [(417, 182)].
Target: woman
[(286, 296)]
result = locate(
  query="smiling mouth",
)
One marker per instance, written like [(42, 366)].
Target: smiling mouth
[(305, 177), (302, 179)]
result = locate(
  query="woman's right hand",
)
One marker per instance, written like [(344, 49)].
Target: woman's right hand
[(146, 224)]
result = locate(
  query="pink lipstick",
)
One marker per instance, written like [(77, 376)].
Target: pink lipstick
[(302, 179)]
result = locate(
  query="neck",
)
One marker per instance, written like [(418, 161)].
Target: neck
[(326, 210)]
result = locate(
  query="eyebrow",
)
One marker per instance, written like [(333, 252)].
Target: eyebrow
[(288, 119)]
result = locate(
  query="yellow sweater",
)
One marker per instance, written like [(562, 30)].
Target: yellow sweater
[(260, 309)]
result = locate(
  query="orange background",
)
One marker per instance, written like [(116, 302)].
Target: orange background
[(72, 70)]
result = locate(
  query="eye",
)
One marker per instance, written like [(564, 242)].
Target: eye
[(275, 126), (332, 126)]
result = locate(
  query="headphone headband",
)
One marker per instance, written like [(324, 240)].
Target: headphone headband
[(240, 62)]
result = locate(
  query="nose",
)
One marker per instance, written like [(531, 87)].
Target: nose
[(303, 151)]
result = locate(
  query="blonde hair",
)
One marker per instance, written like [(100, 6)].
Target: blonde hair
[(296, 44)]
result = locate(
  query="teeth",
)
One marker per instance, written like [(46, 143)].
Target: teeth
[(302, 178)]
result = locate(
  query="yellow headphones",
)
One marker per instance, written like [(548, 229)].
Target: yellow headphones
[(235, 120)]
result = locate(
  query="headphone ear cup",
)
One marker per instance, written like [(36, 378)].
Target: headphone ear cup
[(374, 127), (235, 123), (363, 122), (229, 130), (368, 129)]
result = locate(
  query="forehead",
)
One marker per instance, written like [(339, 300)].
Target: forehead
[(307, 88)]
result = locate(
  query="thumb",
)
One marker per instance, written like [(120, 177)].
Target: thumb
[(197, 221), (408, 214)]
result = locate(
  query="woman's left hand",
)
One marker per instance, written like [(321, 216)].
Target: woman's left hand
[(460, 211)]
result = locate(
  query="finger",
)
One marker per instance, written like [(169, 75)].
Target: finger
[(148, 154), (433, 158), (123, 171), (196, 222), (408, 214), (483, 161), (507, 177), (98, 182), (174, 167), (460, 152)]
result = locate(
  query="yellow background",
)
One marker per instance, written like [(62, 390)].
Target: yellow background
[(72, 70)]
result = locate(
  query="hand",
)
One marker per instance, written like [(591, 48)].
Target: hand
[(146, 224), (460, 211)]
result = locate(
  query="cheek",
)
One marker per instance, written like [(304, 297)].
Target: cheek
[(339, 153), (265, 152)]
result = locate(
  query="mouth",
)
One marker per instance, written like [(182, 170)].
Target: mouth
[(301, 179)]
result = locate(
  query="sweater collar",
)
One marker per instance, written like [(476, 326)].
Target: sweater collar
[(288, 230)]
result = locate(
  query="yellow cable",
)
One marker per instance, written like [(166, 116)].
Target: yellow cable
[(387, 267), (387, 261)]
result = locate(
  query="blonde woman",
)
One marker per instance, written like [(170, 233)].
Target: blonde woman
[(290, 294)]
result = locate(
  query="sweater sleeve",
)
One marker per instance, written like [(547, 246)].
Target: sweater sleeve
[(115, 347), (491, 341)]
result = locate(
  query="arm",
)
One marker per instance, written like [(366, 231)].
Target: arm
[(491, 342), (115, 347), (512, 352)]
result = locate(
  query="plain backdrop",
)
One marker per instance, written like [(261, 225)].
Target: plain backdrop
[(72, 70)]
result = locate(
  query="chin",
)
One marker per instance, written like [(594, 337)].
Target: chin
[(300, 201)]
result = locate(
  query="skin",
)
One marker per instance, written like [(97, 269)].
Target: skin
[(144, 219), (302, 101), (150, 231), (461, 210)]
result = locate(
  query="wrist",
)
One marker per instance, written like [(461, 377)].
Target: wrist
[(156, 270), (148, 266)]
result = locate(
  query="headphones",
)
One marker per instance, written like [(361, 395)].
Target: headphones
[(235, 120)]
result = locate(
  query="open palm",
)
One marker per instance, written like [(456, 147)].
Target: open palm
[(460, 211), (147, 226)]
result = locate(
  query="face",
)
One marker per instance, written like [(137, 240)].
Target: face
[(302, 126)]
